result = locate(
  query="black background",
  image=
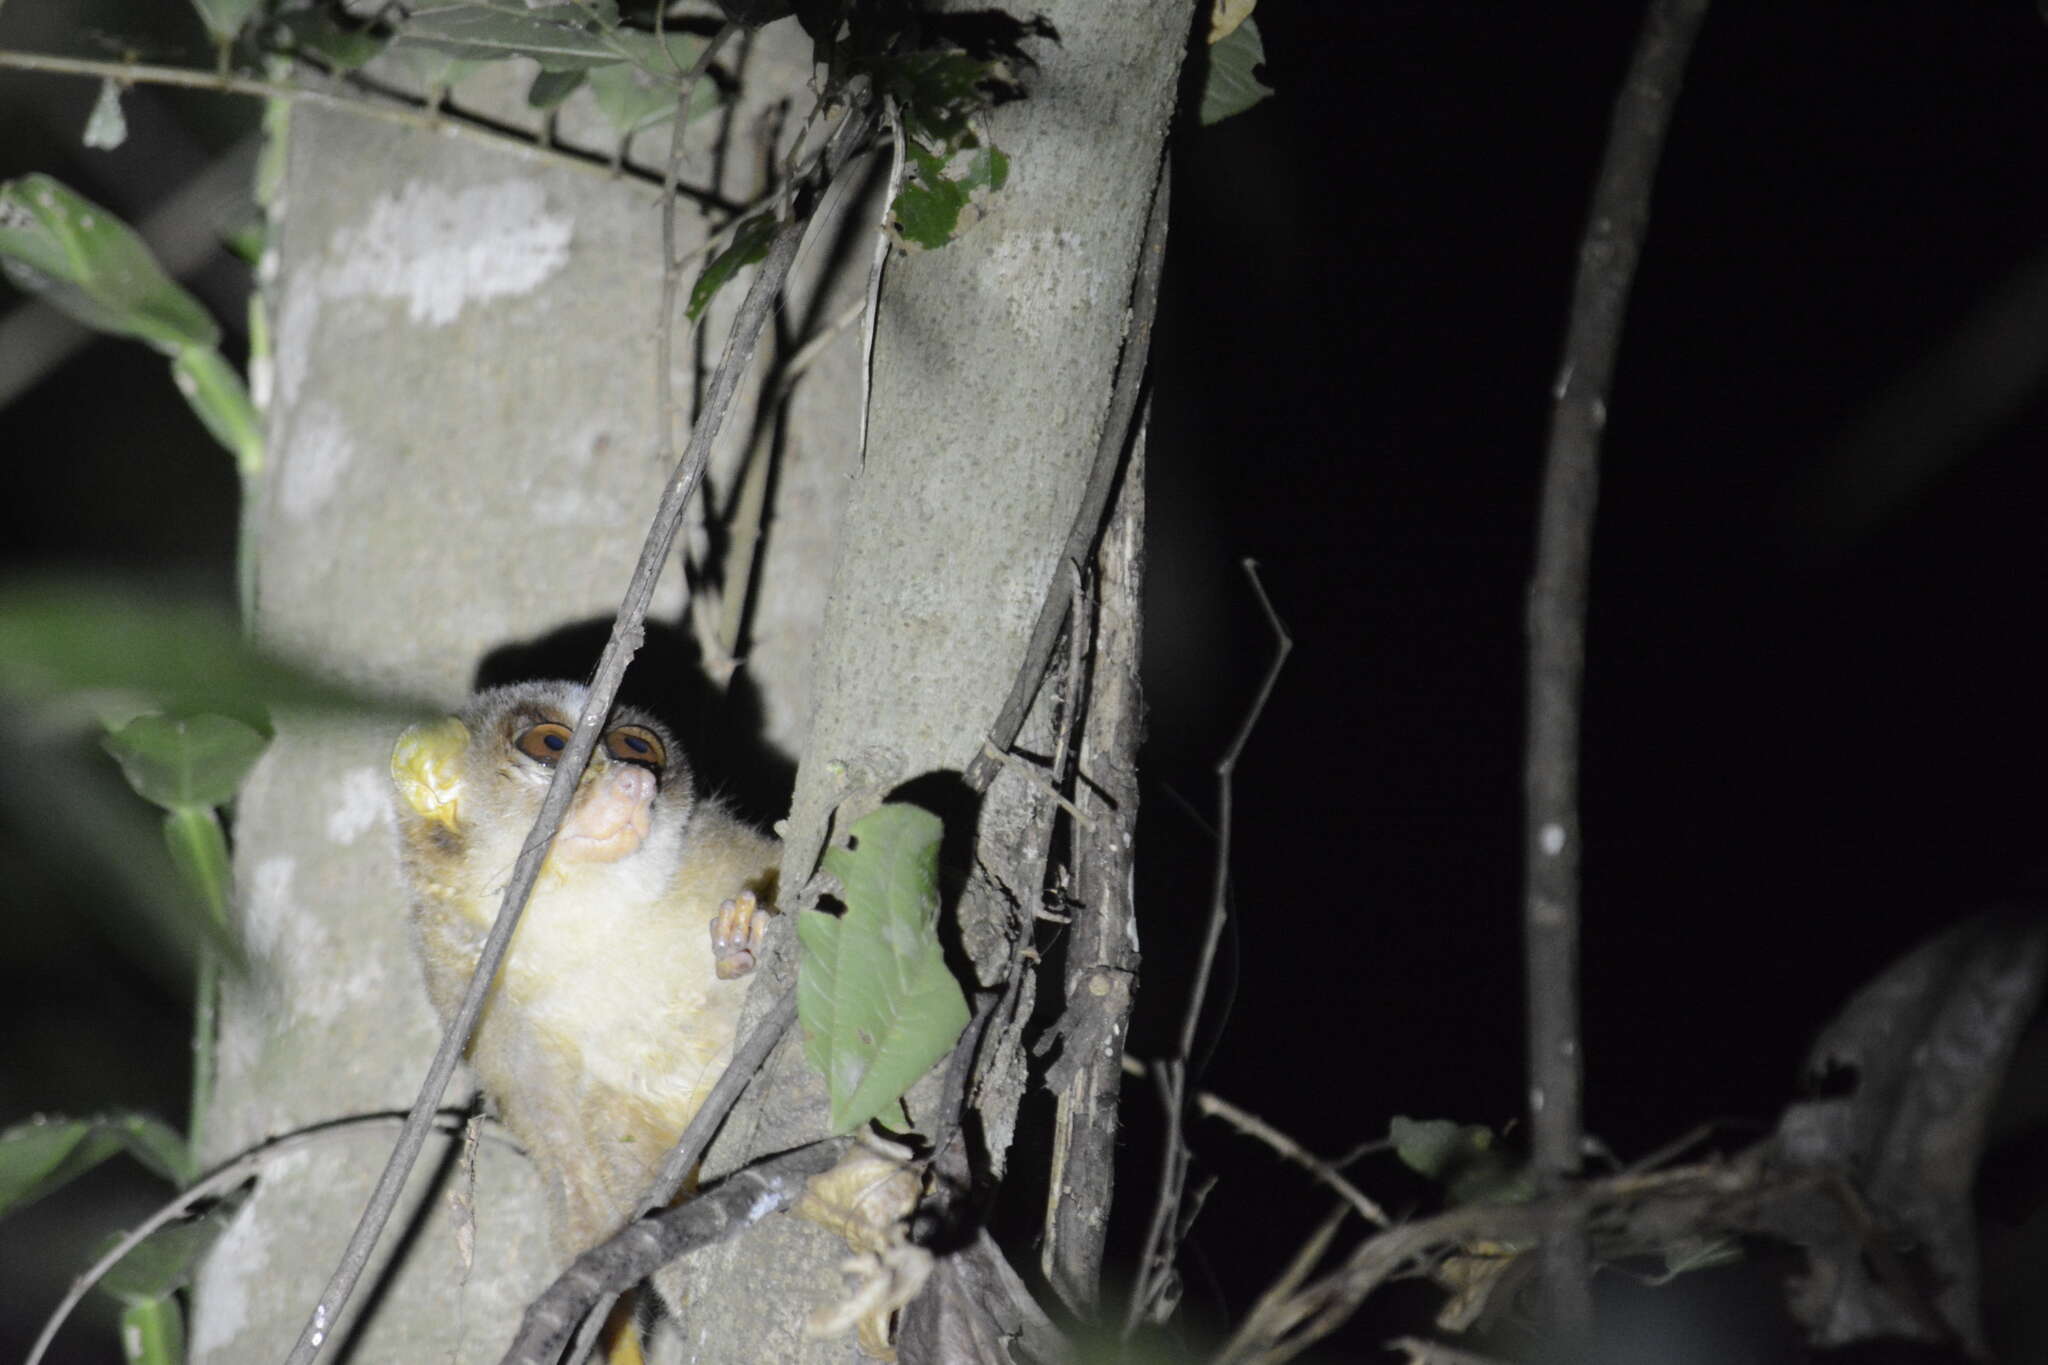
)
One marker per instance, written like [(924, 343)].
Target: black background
[(1811, 737)]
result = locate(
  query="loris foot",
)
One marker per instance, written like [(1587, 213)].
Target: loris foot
[(736, 934)]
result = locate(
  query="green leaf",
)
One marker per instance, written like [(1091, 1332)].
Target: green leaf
[(1436, 1147), (199, 850), (641, 91), (560, 37), (749, 245), (154, 1143), (224, 18), (1232, 83), (161, 1263), (933, 207), (78, 257), (345, 47), (876, 1000), (45, 1154), (216, 393), (60, 638), (153, 1332), (183, 761), (1463, 1158), (106, 128), (550, 88), (248, 240)]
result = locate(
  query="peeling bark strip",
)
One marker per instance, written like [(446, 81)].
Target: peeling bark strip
[(1102, 947), (1615, 224)]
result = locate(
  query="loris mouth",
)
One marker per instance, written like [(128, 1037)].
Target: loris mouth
[(611, 817)]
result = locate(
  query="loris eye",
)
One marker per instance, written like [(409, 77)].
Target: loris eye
[(635, 744), (544, 742)]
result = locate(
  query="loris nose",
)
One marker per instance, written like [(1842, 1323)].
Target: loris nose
[(632, 781)]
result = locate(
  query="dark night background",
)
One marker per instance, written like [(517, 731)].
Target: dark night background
[(1814, 723)]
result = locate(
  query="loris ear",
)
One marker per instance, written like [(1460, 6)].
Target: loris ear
[(426, 767)]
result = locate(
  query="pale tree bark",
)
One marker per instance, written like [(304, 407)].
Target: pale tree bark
[(463, 435)]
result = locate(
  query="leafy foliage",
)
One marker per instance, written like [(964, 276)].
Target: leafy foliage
[(930, 209), (749, 244), (1463, 1158), (60, 639), (162, 1263), (178, 761), (56, 243), (874, 996), (43, 1154), (80, 258), (1232, 84)]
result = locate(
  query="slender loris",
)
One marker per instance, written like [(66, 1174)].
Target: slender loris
[(615, 1010)]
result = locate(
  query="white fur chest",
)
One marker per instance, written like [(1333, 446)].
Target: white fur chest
[(623, 974)]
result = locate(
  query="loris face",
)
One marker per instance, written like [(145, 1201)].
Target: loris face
[(471, 785)]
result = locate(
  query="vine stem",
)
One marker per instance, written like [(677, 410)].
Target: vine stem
[(1616, 221), (421, 119), (211, 1186)]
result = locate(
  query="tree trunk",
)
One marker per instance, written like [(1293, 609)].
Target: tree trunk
[(463, 438)]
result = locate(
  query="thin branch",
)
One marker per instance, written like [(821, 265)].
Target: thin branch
[(212, 1186), (671, 265), (1226, 771), (641, 1247), (1170, 1076), (627, 634), (1173, 1075), (743, 525), (873, 302), (1616, 222), (420, 116), (1252, 1126), (1080, 546), (1421, 1352), (696, 1136), (1709, 1194)]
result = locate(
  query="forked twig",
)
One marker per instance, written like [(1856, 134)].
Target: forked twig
[(1173, 1074), (1252, 1126)]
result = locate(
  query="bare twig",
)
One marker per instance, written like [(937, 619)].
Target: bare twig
[(637, 1250), (671, 264), (421, 116), (875, 265), (1710, 1194), (689, 1149), (1252, 1126), (1616, 222), (749, 507), (1226, 771), (626, 637), (1173, 1074), (1421, 1352), (212, 1186)]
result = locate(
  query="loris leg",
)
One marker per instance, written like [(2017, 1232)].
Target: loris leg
[(736, 934)]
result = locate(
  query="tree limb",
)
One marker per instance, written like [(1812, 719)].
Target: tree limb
[(1616, 222)]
